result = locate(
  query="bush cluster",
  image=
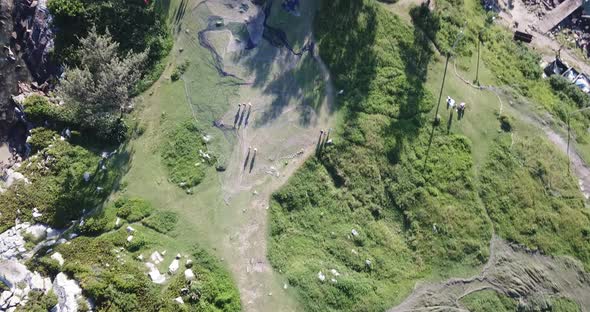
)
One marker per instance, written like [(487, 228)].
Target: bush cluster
[(133, 209), (182, 154)]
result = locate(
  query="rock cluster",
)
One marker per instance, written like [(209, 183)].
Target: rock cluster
[(20, 282), (12, 243)]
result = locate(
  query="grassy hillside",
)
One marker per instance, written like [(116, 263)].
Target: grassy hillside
[(410, 200), (394, 200)]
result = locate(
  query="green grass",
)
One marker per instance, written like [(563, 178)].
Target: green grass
[(420, 206), (412, 201), (162, 221), (488, 301), (532, 199)]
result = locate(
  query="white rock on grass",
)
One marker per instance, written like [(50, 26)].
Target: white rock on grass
[(179, 300), (58, 257), (130, 229), (155, 274), (156, 257), (189, 275), (67, 291), (173, 266), (37, 231), (321, 276), (129, 238)]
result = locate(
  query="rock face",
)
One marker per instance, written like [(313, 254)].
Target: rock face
[(34, 32), (10, 72), (67, 291), (173, 266)]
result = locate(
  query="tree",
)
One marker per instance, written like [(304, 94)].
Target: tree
[(98, 91)]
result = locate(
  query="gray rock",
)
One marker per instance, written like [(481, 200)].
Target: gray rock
[(12, 273), (67, 292)]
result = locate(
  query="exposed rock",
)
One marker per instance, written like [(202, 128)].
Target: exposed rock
[(129, 238), (321, 276), (67, 292), (36, 282), (58, 257), (173, 266), (189, 263), (179, 300), (130, 229), (156, 257), (13, 301), (189, 275), (12, 273), (12, 243), (155, 274)]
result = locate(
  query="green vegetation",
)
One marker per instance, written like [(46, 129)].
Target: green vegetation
[(108, 272), (136, 25), (491, 301), (185, 155), (41, 138), (133, 209), (40, 302), (56, 186), (161, 221), (411, 201), (532, 199), (488, 301), (179, 70)]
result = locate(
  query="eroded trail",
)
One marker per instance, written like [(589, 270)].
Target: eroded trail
[(510, 270)]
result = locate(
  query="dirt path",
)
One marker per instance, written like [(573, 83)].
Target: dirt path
[(274, 137), (541, 42)]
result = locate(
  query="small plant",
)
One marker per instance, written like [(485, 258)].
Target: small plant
[(179, 70), (41, 138)]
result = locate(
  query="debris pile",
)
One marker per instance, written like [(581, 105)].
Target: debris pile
[(574, 31)]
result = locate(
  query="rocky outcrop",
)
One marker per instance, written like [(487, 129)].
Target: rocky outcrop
[(12, 69), (33, 31), (12, 243), (20, 282), (68, 292)]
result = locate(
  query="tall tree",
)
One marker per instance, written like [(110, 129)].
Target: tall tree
[(98, 90)]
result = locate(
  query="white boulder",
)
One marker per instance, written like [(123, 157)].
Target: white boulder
[(173, 266), (179, 300), (12, 273), (37, 231), (189, 275), (156, 257), (58, 257), (67, 292), (155, 274)]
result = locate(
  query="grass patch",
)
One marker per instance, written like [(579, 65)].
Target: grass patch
[(56, 186), (532, 199), (161, 221), (488, 301), (133, 209), (185, 155)]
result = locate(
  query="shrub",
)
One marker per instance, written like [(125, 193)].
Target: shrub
[(94, 225), (506, 122), (179, 70), (39, 301), (161, 221), (41, 138), (38, 110), (133, 209)]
